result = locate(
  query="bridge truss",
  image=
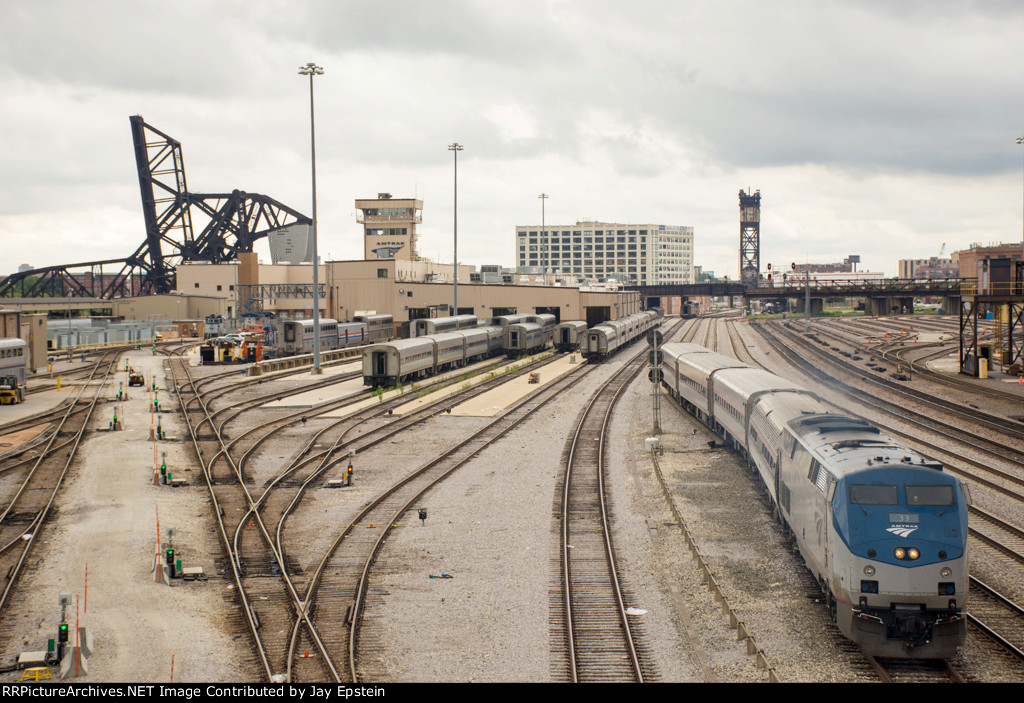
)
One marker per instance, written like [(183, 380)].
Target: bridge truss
[(231, 224)]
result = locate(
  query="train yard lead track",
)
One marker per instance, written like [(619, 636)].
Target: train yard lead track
[(285, 610), (40, 504), (600, 643)]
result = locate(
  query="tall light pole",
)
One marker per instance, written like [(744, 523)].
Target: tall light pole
[(543, 198), (455, 148), (311, 69), (1020, 140)]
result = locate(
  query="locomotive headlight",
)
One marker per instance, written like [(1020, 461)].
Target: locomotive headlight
[(946, 572), (900, 553), (869, 570), (913, 553)]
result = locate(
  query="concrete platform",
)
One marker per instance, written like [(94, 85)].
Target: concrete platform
[(416, 403), (11, 441), (318, 395), (494, 401), (36, 403), (996, 379)]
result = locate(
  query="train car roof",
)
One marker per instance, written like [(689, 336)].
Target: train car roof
[(446, 336), (474, 332), (790, 405), (403, 344), (748, 380), (680, 348), (9, 342), (309, 323), (848, 445), (506, 320), (576, 324), (709, 362)]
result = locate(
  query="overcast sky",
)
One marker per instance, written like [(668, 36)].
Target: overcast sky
[(875, 128)]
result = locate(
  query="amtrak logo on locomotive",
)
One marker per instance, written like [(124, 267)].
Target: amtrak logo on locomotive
[(901, 530)]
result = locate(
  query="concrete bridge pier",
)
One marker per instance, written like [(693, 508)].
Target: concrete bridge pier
[(817, 305), (878, 306)]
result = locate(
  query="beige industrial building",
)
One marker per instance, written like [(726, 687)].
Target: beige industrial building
[(407, 290), (392, 279)]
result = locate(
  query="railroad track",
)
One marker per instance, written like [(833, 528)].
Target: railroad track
[(999, 618), (351, 558), (895, 349), (916, 671), (972, 415), (283, 621), (600, 643), (27, 509)]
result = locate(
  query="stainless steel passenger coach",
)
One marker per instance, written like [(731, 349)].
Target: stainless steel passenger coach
[(404, 360), (570, 335), (437, 325), (527, 338), (605, 339), (882, 528), (296, 336), (380, 328)]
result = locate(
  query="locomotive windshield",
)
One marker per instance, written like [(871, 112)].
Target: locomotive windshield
[(870, 494), (929, 495)]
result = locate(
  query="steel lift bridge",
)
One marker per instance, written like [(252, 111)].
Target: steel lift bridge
[(233, 222)]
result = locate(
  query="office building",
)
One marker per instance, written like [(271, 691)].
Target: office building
[(599, 252)]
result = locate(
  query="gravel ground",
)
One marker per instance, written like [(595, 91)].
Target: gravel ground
[(489, 528), (489, 621), (106, 518)]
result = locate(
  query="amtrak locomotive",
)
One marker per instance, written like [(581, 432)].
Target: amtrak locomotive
[(882, 528)]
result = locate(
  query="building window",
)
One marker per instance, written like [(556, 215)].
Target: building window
[(382, 273), (195, 285), (219, 287)]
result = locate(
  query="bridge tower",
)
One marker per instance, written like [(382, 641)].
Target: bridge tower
[(750, 238)]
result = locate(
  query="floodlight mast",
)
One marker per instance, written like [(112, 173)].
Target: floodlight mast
[(311, 69)]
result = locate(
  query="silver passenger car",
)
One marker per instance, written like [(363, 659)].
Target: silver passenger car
[(397, 361)]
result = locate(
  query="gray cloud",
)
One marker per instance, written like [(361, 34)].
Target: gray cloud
[(646, 111)]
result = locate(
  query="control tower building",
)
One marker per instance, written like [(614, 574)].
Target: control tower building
[(389, 227)]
